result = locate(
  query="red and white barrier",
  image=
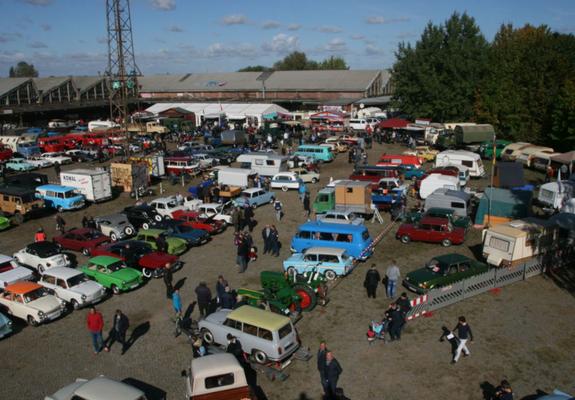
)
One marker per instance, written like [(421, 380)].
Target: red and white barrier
[(419, 305)]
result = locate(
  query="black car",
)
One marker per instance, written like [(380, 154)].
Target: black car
[(82, 156), (223, 158), (176, 228), (142, 216)]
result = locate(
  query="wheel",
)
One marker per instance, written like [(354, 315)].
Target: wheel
[(254, 206), (41, 269), (308, 297), (208, 337), (291, 271), (60, 209), (115, 289), (446, 242), (86, 251), (313, 180), (147, 273), (285, 188), (167, 217), (145, 225), (260, 356), (405, 239), (74, 304), (330, 275), (113, 237), (129, 231), (32, 321), (158, 217)]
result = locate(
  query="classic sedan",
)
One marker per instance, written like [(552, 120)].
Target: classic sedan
[(194, 234), (458, 222), (42, 255), (40, 162), (56, 158), (112, 273), (326, 260), (431, 230), (442, 271), (72, 286), (116, 226), (100, 388), (83, 240), (254, 197), (285, 181), (11, 272), (139, 255), (19, 164), (142, 216), (5, 326), (306, 176), (176, 245), (31, 303)]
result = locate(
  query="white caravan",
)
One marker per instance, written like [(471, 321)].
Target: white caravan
[(461, 157)]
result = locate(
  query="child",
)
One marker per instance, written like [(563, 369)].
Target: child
[(253, 254)]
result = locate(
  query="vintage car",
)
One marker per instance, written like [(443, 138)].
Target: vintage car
[(100, 388), (216, 211), (72, 286), (425, 153), (31, 303), (56, 158), (340, 217), (254, 197), (4, 223), (19, 164), (5, 326), (112, 273), (176, 246), (82, 239), (167, 206), (19, 203), (409, 172), (62, 198), (11, 272), (449, 213), (306, 176), (194, 234), (442, 271), (285, 181), (39, 162), (142, 216), (195, 220), (325, 260), (205, 160), (116, 226), (42, 255), (139, 255), (431, 230)]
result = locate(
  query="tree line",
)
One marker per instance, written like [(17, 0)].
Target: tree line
[(523, 82), (298, 61)]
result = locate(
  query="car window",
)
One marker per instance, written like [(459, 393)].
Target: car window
[(304, 235), (49, 279), (250, 329), (265, 334), (233, 324), (328, 258), (285, 330), (452, 270), (62, 283), (219, 380), (310, 257), (464, 266)]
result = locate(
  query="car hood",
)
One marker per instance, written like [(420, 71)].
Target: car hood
[(421, 275), (174, 241), (88, 288), (156, 260), (46, 304), (67, 392), (126, 274)]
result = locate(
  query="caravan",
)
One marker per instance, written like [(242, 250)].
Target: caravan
[(512, 151), (461, 157), (556, 194), (437, 181), (526, 155), (264, 164)]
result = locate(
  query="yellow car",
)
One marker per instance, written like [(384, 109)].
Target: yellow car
[(424, 153)]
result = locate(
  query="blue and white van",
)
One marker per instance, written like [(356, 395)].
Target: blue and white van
[(60, 197), (354, 239), (318, 153)]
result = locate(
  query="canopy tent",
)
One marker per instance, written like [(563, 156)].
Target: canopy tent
[(503, 205), (277, 116), (394, 123)]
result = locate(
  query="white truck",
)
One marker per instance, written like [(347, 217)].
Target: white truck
[(95, 185), (238, 177)]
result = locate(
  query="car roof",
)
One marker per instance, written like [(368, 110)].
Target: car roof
[(42, 246), (252, 190), (22, 287), (81, 230), (215, 364), (325, 250), (106, 388), (56, 188), (451, 258), (286, 173), (151, 232), (434, 220), (261, 318), (16, 190), (327, 226), (103, 260), (62, 272), (113, 217)]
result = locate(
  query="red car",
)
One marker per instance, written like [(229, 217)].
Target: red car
[(193, 219), (83, 240), (432, 230), (139, 255)]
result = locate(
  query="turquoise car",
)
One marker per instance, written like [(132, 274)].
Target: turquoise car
[(318, 153), (325, 260), (60, 197), (5, 326), (19, 164)]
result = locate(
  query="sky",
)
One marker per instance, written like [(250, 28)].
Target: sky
[(68, 37)]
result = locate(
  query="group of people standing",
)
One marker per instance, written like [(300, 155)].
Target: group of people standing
[(95, 325)]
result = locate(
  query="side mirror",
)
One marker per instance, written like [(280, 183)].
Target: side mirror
[(184, 373)]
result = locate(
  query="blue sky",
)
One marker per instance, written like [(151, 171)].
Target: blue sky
[(62, 37)]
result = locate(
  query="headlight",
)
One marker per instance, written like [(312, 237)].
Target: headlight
[(48, 264), (124, 283), (84, 297), (41, 314)]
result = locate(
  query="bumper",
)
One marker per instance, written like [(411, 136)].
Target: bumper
[(52, 316), (411, 287)]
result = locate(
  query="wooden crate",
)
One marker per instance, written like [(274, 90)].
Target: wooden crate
[(129, 176), (353, 193)]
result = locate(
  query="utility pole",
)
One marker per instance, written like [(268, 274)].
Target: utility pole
[(122, 70)]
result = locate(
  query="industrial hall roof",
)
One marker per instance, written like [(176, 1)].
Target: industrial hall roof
[(46, 84), (9, 84)]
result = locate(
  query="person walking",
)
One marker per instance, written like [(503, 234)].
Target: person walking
[(396, 322), (451, 338), (243, 254), (275, 241), (118, 332), (306, 205), (393, 274), (278, 207), (267, 238), (228, 299), (332, 372), (248, 216), (60, 224), (177, 302), (168, 280), (84, 221), (464, 334), (236, 219), (221, 285), (371, 281), (57, 170), (204, 297), (95, 325), (40, 235), (321, 363), (302, 190)]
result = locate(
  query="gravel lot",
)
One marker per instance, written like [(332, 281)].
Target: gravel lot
[(524, 333)]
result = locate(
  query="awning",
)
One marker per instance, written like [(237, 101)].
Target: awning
[(394, 123)]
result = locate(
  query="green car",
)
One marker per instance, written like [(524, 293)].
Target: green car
[(176, 246), (4, 223), (486, 148), (459, 222), (111, 272), (442, 271)]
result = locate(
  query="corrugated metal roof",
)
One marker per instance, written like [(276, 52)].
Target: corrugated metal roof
[(340, 80), (246, 109), (46, 84), (9, 84), (83, 83)]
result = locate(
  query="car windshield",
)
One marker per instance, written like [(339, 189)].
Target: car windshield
[(76, 280), (90, 235), (34, 295), (69, 194), (434, 266), (116, 266)]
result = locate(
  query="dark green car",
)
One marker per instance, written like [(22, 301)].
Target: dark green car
[(486, 148), (457, 221), (442, 271), (112, 273)]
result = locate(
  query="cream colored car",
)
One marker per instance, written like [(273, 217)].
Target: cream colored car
[(306, 176), (31, 303)]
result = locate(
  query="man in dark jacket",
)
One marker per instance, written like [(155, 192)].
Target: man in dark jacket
[(235, 348), (321, 362), (248, 216), (118, 332), (168, 279), (404, 304), (371, 281), (396, 323), (161, 243), (332, 372), (204, 297), (228, 299), (221, 287), (464, 334), (267, 238), (243, 255)]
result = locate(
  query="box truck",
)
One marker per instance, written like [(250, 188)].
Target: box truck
[(95, 185)]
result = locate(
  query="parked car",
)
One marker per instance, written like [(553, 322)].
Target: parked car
[(176, 245), (30, 302), (72, 286), (56, 158), (62, 198), (81, 239), (285, 181), (195, 220), (142, 216), (432, 230), (340, 217), (4, 223), (5, 326), (140, 255), (442, 271), (325, 260), (306, 176), (448, 213), (81, 155), (193, 235), (19, 164), (216, 211), (42, 255), (205, 160), (410, 172), (116, 226), (39, 163), (112, 273), (166, 206), (100, 388), (276, 341), (254, 197), (12, 272)]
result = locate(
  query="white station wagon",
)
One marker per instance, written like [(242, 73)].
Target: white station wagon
[(285, 181), (100, 388), (42, 255), (31, 302), (72, 286), (340, 217), (11, 272)]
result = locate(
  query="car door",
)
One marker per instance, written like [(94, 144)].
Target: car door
[(61, 289), (421, 232), (452, 274), (18, 307), (72, 241), (32, 259)]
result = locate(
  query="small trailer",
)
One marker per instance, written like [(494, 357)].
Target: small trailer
[(95, 185), (353, 196)]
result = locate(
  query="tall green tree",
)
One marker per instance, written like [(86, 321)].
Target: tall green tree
[(254, 68), (295, 61), (23, 70), (563, 118), (439, 76), (333, 63)]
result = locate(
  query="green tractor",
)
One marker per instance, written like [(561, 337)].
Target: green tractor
[(287, 294)]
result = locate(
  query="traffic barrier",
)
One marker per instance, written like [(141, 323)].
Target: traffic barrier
[(419, 307)]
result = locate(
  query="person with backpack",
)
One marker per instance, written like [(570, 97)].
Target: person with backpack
[(278, 207)]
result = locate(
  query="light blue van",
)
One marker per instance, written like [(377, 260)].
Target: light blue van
[(318, 153), (354, 239), (60, 197)]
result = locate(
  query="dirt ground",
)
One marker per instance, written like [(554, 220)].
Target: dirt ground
[(524, 333)]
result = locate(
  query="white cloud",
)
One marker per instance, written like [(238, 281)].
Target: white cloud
[(329, 29), (271, 25), (380, 20), (293, 27), (373, 50), (281, 44), (38, 45), (336, 45), (37, 2), (232, 50), (176, 29), (235, 19), (164, 5)]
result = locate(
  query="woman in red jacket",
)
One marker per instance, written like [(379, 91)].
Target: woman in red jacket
[(95, 324)]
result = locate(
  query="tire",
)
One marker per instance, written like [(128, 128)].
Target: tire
[(167, 217), (31, 321), (446, 242), (158, 218), (285, 188), (74, 304), (308, 297), (147, 273), (129, 231), (113, 237), (115, 289), (259, 356), (405, 239), (330, 275), (314, 180), (291, 271), (208, 337), (41, 269), (145, 225), (272, 200), (254, 206), (86, 252)]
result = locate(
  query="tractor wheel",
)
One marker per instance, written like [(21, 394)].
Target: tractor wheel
[(308, 297), (330, 275), (208, 336)]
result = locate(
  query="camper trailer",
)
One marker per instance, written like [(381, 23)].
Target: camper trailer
[(556, 194), (461, 157), (238, 177), (457, 200), (515, 242), (436, 181), (526, 155), (512, 151), (263, 164), (542, 159)]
